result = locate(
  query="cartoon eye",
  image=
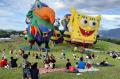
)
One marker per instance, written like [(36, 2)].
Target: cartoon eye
[(84, 21), (93, 23)]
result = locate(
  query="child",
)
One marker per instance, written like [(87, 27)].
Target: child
[(76, 64), (68, 64), (34, 71), (13, 63), (26, 67)]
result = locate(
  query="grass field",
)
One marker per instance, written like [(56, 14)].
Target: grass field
[(103, 73)]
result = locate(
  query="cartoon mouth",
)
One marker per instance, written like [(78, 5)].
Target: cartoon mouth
[(86, 33)]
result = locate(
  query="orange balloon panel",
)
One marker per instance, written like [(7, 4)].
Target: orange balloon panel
[(33, 30), (46, 13)]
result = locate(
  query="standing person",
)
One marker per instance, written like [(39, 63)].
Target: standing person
[(34, 71), (75, 49), (26, 67), (74, 52), (74, 56), (63, 54), (4, 53), (13, 62), (11, 51)]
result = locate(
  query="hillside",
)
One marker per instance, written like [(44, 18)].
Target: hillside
[(113, 33), (60, 63)]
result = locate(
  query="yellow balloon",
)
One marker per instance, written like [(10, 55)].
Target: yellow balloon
[(83, 28)]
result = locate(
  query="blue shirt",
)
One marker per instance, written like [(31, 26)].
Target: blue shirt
[(81, 65)]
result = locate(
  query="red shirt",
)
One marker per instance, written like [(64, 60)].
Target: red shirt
[(3, 63)]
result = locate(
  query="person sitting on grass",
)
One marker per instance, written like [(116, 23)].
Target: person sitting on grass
[(3, 62), (68, 64), (29, 53), (93, 56), (34, 71), (26, 67), (46, 62), (89, 65), (81, 64), (21, 52), (52, 62), (13, 62)]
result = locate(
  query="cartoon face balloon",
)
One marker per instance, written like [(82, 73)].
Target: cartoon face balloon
[(83, 28), (40, 20)]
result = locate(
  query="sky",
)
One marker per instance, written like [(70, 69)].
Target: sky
[(13, 12)]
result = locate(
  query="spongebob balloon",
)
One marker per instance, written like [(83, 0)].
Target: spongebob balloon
[(83, 29)]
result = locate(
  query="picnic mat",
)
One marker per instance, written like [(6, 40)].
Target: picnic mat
[(43, 70)]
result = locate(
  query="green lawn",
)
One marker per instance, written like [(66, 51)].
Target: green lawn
[(103, 73)]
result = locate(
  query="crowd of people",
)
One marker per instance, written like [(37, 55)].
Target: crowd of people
[(114, 54), (79, 67), (49, 62), (31, 71)]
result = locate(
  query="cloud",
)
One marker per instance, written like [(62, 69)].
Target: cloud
[(59, 4), (110, 21), (111, 17), (13, 12), (94, 5)]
